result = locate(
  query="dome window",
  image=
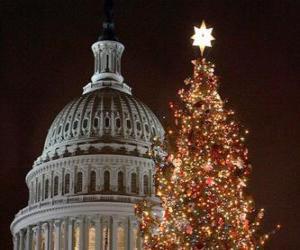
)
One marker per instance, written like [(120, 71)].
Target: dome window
[(138, 126), (153, 131), (59, 129), (85, 123), (107, 122), (96, 122), (128, 124), (118, 123), (53, 133), (67, 127), (75, 124), (147, 128)]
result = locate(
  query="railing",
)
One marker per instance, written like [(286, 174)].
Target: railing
[(79, 199)]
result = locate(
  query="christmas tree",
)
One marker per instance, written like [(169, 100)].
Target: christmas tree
[(202, 183)]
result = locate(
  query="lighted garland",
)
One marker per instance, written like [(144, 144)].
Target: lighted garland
[(201, 185)]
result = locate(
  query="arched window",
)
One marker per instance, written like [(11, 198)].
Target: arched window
[(75, 124), (121, 238), (85, 123), (128, 124), (55, 189), (118, 123), (96, 122), (67, 127), (147, 128), (106, 122), (59, 129), (138, 126), (92, 238), (105, 237), (106, 181), (153, 131), (46, 189), (120, 182), (79, 182), (146, 185), (93, 181), (67, 183), (133, 183)]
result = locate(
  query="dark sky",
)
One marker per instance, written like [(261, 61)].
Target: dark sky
[(46, 60)]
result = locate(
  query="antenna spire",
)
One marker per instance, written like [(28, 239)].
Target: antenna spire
[(108, 25)]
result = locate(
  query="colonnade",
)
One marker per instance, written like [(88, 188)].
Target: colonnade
[(81, 233)]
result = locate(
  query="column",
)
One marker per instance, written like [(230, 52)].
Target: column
[(46, 235), (130, 234), (28, 239), (114, 228), (66, 230), (16, 241), (72, 180), (50, 235), (57, 228), (38, 237), (126, 178), (70, 233), (87, 225), (98, 178), (127, 230), (139, 241), (98, 226), (101, 179), (114, 177), (21, 240), (82, 234)]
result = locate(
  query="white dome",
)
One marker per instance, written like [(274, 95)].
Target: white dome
[(104, 120)]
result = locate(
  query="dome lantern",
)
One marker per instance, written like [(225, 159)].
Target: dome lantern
[(107, 52)]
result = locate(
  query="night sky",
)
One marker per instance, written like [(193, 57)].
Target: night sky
[(46, 60)]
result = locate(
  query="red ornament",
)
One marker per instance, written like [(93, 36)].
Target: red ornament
[(210, 181), (189, 229)]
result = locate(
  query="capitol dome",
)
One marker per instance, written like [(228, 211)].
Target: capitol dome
[(105, 120), (95, 165)]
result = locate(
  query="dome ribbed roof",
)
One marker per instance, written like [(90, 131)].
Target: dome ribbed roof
[(103, 116)]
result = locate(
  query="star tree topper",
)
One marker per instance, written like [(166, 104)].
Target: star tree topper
[(202, 37)]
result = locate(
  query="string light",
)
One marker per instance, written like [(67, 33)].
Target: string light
[(202, 183)]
